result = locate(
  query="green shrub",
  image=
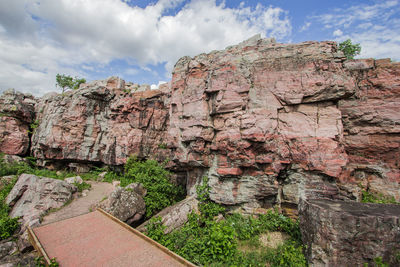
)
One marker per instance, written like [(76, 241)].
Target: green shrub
[(368, 197), (82, 186), (350, 50), (208, 209), (246, 227), (7, 225), (67, 82), (204, 241), (161, 192)]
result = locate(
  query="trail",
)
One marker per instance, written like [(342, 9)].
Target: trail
[(82, 204)]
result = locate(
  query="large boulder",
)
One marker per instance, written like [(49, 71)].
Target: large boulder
[(32, 197), (175, 216), (338, 233), (16, 115), (126, 203)]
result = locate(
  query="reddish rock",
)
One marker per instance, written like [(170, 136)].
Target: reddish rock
[(371, 122), (16, 115), (101, 122), (250, 117)]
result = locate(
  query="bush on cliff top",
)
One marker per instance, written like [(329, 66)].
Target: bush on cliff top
[(350, 50)]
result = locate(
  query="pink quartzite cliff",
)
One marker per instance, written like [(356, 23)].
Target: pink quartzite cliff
[(268, 123)]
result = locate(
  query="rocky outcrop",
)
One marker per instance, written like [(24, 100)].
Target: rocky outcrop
[(337, 233), (371, 122), (270, 123), (16, 115), (259, 117), (126, 203), (32, 197), (267, 122), (102, 122), (175, 216)]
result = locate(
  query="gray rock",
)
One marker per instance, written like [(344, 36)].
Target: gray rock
[(32, 196), (338, 233), (73, 180), (101, 176), (7, 247), (175, 216), (125, 203)]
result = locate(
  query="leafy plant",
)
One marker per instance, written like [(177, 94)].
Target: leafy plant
[(368, 197), (33, 126), (161, 192), (7, 225), (67, 82), (204, 241), (40, 262), (350, 50), (82, 186), (208, 209)]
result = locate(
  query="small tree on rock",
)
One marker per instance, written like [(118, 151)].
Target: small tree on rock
[(67, 82), (350, 50)]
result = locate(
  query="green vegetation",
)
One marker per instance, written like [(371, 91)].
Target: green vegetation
[(40, 262), (7, 225), (161, 192), (33, 126), (350, 50), (67, 82), (82, 186), (205, 241), (369, 197), (162, 146)]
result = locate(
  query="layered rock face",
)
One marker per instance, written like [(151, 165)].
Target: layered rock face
[(102, 122), (269, 124), (371, 121), (338, 233), (16, 115)]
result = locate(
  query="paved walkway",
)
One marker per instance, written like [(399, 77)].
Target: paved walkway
[(81, 205), (95, 239)]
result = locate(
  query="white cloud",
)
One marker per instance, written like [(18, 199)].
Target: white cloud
[(305, 26), (375, 27), (40, 38), (156, 86), (131, 71), (337, 33)]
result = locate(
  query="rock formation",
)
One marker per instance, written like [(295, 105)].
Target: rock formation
[(32, 197), (338, 233), (102, 122), (126, 203), (175, 216), (16, 115), (269, 123)]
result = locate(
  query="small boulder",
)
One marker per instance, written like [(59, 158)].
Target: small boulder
[(74, 180), (127, 204), (175, 216), (101, 176)]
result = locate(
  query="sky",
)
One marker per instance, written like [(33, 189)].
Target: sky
[(140, 41)]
